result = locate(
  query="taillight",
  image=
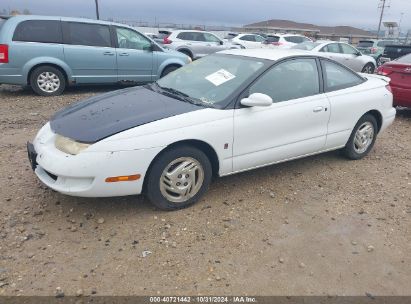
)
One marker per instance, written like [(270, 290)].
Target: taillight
[(374, 50), (4, 53), (388, 87), (166, 40), (383, 71)]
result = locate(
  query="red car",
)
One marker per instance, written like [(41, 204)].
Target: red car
[(399, 70)]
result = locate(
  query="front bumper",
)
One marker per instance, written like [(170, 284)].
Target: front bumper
[(84, 174)]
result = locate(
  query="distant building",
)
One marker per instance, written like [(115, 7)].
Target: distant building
[(336, 33)]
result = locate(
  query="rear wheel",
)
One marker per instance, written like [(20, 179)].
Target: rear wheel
[(369, 68), (178, 178), (362, 138), (47, 81)]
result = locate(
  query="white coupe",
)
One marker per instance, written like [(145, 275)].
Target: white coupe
[(226, 113)]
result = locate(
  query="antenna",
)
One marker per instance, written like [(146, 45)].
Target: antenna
[(383, 5)]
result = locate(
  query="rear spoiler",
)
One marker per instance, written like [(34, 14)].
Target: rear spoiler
[(5, 17), (384, 78)]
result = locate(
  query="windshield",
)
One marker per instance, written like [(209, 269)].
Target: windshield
[(307, 46), (404, 59), (212, 79), (365, 44)]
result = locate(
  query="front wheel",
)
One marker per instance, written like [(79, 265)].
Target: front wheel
[(362, 138), (178, 178), (369, 68)]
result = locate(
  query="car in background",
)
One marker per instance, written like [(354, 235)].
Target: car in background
[(51, 53), (394, 51), (374, 48), (342, 53), (197, 44), (249, 41), (284, 40), (229, 112), (399, 71), (230, 36)]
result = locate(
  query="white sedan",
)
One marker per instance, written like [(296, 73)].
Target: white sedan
[(226, 113), (249, 41)]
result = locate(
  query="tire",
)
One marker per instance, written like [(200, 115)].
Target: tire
[(186, 52), (379, 63), (352, 149), (164, 196), (54, 78), (369, 68), (168, 70)]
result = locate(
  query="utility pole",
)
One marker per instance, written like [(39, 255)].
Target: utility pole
[(97, 12), (382, 7)]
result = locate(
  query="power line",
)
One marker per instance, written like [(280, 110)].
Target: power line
[(382, 6)]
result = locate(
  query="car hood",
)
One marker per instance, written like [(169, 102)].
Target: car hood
[(101, 116)]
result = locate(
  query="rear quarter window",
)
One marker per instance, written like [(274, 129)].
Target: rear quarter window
[(337, 77), (2, 21), (45, 31)]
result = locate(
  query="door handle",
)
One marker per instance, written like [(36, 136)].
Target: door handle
[(318, 109), (123, 54), (108, 53)]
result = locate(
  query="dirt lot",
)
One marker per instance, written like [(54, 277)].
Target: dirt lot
[(316, 226)]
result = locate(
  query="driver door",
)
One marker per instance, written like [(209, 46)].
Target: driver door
[(294, 125), (135, 57)]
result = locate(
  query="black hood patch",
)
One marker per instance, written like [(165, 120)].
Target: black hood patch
[(104, 115)]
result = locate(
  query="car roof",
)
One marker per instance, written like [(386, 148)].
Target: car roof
[(20, 18), (269, 54)]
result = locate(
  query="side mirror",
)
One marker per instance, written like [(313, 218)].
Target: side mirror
[(257, 100), (358, 54), (221, 42)]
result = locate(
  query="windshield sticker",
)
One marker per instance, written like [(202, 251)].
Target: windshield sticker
[(220, 77)]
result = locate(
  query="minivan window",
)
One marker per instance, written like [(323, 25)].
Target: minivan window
[(45, 31), (129, 39), (88, 34)]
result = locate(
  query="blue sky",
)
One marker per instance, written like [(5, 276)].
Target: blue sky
[(359, 13)]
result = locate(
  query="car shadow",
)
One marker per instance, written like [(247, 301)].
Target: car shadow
[(404, 112), (139, 204)]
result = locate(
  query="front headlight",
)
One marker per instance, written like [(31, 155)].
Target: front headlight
[(68, 145)]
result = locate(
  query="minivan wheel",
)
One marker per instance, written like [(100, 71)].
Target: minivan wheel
[(47, 81), (369, 68), (362, 138), (178, 178)]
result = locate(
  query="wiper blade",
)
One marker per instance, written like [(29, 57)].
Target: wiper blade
[(184, 97), (173, 91)]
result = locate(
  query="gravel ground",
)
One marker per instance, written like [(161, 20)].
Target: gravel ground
[(316, 226)]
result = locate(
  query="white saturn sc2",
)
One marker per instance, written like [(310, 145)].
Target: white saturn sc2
[(226, 113)]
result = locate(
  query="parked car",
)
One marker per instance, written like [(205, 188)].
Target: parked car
[(399, 71), (285, 40), (343, 53), (197, 44), (226, 113), (249, 41), (230, 36), (374, 48), (51, 53), (392, 52)]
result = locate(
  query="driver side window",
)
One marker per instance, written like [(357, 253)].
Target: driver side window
[(129, 39), (292, 79)]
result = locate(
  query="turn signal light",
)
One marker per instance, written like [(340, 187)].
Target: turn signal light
[(127, 178)]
